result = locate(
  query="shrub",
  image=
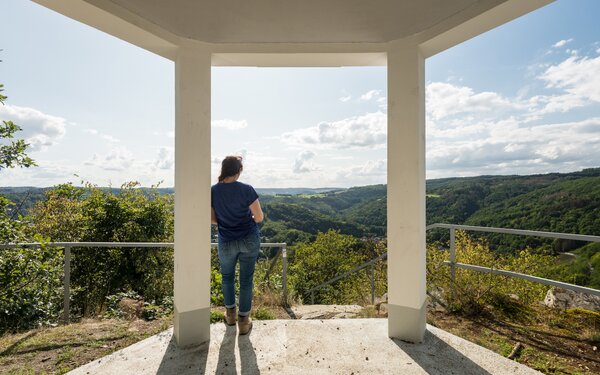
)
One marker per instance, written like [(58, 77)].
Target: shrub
[(31, 292), (124, 215), (263, 313), (330, 255), (475, 290), (216, 316)]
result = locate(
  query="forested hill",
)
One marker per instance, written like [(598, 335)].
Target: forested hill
[(559, 202)]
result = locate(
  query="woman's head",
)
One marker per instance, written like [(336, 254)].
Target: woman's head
[(230, 166)]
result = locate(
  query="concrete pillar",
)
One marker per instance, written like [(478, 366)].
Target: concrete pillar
[(192, 196), (406, 192)]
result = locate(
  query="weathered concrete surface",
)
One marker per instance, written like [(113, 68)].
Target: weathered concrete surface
[(340, 346), (326, 311)]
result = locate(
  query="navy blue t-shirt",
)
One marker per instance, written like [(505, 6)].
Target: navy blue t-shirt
[(231, 202)]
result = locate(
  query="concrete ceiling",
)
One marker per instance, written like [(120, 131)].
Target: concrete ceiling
[(297, 21)]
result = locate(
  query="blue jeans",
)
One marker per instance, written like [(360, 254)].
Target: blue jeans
[(246, 251)]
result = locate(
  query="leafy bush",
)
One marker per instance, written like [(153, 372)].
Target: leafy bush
[(330, 255), (474, 290), (126, 215), (216, 316), (31, 291)]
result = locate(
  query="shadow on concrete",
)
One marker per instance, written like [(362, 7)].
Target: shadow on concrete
[(188, 360), (247, 356), (226, 363), (435, 356)]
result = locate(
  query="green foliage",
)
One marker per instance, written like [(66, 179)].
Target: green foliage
[(149, 310), (216, 316), (330, 255), (474, 291), (112, 303), (12, 154), (216, 283), (31, 286), (127, 215), (10, 230), (263, 313)]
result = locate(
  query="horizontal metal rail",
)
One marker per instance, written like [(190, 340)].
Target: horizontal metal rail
[(535, 279), (521, 232), (67, 260), (114, 244), (532, 233)]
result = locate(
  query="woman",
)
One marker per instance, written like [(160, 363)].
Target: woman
[(236, 210)]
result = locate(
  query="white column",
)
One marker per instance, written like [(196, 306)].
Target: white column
[(192, 196), (406, 192)]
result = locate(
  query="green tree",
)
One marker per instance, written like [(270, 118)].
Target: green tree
[(30, 278), (12, 154), (95, 214)]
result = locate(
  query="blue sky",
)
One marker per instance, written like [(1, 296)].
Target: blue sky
[(521, 99)]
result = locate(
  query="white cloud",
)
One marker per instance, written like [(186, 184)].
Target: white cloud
[(303, 162), (230, 124), (369, 95), (110, 138), (508, 146), (445, 99), (40, 130), (366, 131), (371, 169), (345, 98), (117, 159), (562, 42), (578, 76), (106, 137), (165, 158)]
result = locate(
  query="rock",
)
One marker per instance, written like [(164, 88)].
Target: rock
[(131, 308), (435, 301), (382, 299), (382, 308), (565, 299)]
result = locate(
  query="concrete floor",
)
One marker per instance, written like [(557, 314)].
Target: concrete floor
[(339, 346)]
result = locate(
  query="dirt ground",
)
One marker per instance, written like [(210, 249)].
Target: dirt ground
[(56, 350), (553, 343)]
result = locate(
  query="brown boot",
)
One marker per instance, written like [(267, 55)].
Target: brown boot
[(244, 324), (230, 316)]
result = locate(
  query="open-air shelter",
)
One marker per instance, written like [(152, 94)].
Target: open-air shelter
[(199, 34)]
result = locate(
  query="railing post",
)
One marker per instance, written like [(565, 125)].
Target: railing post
[(373, 283), (67, 285), (452, 263), (284, 275)]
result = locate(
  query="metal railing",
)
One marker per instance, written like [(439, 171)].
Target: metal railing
[(348, 273), (454, 265), (69, 245), (371, 263)]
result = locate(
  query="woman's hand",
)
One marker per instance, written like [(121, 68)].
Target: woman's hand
[(213, 216)]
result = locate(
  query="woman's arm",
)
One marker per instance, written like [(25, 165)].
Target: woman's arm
[(257, 213), (213, 216)]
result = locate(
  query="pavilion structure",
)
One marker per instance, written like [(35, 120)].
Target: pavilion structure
[(199, 34)]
